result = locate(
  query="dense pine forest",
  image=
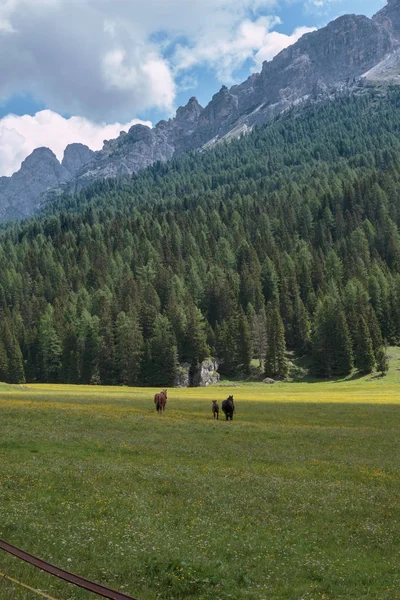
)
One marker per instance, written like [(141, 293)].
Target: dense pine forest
[(286, 239)]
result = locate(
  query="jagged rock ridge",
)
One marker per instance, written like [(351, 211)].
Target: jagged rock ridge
[(348, 48)]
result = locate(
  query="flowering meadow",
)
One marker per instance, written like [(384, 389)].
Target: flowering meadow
[(297, 499)]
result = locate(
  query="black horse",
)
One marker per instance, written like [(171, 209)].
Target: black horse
[(228, 408)]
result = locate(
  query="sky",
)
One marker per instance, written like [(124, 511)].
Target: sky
[(84, 70)]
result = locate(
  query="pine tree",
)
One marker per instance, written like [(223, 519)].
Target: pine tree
[(195, 347), (3, 362), (276, 364), (331, 340), (382, 361), (50, 348), (259, 335), (301, 327), (364, 353), (89, 368), (106, 352), (227, 336), (16, 372), (162, 354), (70, 357), (342, 348), (245, 346), (129, 348), (374, 330)]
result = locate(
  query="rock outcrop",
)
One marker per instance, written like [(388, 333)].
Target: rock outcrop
[(322, 62), (389, 17), (75, 156), (206, 374), (20, 194)]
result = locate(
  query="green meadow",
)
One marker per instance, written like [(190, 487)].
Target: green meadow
[(297, 499)]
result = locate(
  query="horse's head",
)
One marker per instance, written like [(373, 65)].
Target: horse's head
[(165, 392), (214, 402), (230, 398)]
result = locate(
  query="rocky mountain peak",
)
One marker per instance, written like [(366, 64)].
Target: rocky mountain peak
[(38, 156), (389, 17), (351, 48), (21, 193), (139, 133), (75, 156), (223, 104), (190, 112)]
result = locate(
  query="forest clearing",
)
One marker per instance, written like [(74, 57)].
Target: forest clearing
[(297, 497)]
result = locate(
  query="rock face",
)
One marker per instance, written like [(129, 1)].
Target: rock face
[(20, 194), (75, 156), (205, 375), (349, 48), (389, 17)]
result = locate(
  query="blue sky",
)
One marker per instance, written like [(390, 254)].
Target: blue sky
[(83, 69)]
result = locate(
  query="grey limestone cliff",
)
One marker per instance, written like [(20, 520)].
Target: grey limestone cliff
[(75, 156), (20, 194)]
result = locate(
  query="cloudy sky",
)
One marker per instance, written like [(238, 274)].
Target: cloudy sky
[(83, 70)]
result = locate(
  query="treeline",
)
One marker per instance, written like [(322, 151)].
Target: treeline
[(285, 239)]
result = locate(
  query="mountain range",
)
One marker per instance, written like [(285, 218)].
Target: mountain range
[(349, 50)]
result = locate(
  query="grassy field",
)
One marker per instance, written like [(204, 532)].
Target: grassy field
[(297, 498)]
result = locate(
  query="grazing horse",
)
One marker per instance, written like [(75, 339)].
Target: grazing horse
[(160, 400), (228, 408), (215, 409)]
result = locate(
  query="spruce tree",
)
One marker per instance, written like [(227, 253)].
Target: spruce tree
[(245, 346), (331, 341), (89, 369), (162, 354), (382, 361), (195, 347), (129, 348), (3, 362), (259, 335), (106, 341), (341, 344), (364, 353), (16, 372), (50, 347), (301, 327), (227, 336), (276, 364), (70, 357)]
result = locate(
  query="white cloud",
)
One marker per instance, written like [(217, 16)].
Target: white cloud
[(110, 59), (252, 40), (274, 42), (19, 136)]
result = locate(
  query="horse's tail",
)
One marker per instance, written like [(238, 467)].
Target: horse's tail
[(156, 398)]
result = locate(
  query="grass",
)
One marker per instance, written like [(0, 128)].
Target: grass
[(297, 498)]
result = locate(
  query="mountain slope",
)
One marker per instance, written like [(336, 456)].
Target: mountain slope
[(329, 59), (299, 219)]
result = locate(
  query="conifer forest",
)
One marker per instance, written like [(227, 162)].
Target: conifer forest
[(286, 239)]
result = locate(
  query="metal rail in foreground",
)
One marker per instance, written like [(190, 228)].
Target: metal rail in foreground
[(77, 580)]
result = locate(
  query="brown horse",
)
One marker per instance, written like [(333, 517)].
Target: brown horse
[(160, 400), (215, 409)]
